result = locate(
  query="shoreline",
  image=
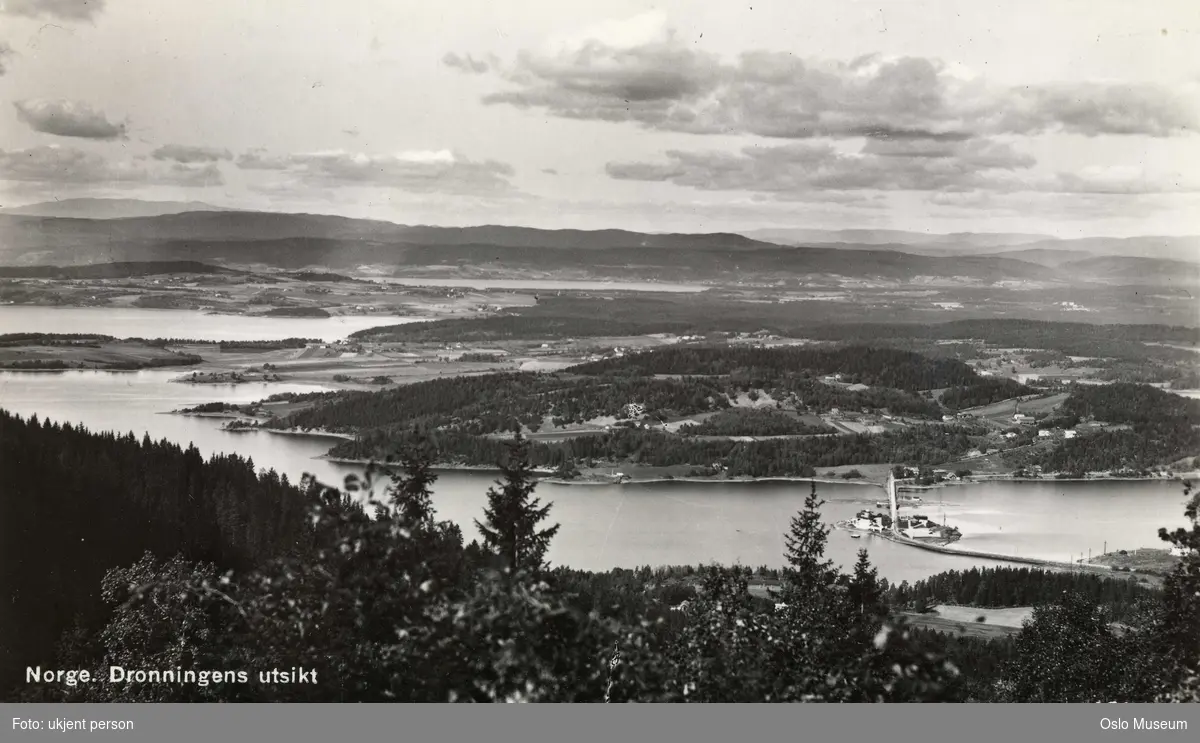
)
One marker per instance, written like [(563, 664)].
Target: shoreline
[(747, 480)]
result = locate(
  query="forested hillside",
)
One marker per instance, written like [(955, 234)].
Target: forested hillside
[(798, 456), (75, 504), (1164, 427)]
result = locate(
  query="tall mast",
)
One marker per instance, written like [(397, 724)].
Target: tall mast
[(891, 487)]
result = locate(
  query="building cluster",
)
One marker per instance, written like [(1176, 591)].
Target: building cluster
[(913, 527)]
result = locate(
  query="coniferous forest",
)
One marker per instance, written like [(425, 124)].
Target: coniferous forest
[(132, 553)]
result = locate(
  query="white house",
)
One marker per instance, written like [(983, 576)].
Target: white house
[(1070, 434), (1044, 433), (916, 526), (1178, 551), (1010, 435)]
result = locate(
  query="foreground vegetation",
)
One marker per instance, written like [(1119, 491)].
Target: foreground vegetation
[(160, 560)]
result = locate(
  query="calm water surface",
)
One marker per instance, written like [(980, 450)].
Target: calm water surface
[(136, 322), (632, 525)]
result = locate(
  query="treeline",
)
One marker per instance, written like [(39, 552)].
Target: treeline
[(51, 339), (798, 457), (752, 422), (75, 504), (266, 345), (295, 312), (884, 367), (1009, 586), (35, 364), (323, 276), (982, 392), (178, 359), (1136, 404)]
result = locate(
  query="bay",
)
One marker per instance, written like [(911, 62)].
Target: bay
[(607, 526)]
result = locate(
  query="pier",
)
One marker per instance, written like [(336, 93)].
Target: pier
[(894, 535)]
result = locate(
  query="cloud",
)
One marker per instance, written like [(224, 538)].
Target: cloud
[(187, 154), (438, 171), (67, 10), (466, 63), (795, 169), (661, 83), (807, 171), (68, 119), (70, 166), (6, 52)]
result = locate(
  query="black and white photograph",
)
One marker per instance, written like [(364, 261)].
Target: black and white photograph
[(600, 351)]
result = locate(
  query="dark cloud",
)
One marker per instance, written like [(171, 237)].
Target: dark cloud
[(415, 172), (187, 154), (69, 166), (668, 86), (466, 63), (67, 10), (68, 119), (805, 171), (6, 52)]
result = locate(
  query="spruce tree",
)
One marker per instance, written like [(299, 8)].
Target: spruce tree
[(866, 595), (512, 516), (412, 488), (805, 547)]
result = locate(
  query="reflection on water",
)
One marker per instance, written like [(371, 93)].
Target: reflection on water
[(654, 524)]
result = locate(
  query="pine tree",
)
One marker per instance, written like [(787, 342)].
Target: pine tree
[(512, 515)]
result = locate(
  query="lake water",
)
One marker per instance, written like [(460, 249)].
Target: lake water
[(136, 322), (547, 284), (632, 525)]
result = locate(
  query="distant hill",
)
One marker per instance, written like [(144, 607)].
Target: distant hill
[(110, 208), (1041, 249), (965, 241), (1178, 248), (1050, 257), (341, 244), (21, 232)]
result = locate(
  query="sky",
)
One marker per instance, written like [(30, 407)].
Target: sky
[(1048, 116)]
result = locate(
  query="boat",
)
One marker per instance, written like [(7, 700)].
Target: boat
[(856, 536)]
